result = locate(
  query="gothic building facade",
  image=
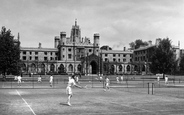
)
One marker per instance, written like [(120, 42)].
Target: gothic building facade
[(75, 54)]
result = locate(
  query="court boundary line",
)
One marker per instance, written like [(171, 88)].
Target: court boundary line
[(26, 102)]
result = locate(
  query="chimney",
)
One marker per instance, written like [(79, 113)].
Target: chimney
[(124, 48), (40, 45), (149, 43), (158, 40)]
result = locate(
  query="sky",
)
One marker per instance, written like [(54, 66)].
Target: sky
[(119, 22)]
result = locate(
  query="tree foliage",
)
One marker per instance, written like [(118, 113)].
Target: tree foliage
[(181, 65), (137, 44), (163, 60), (106, 48), (9, 53)]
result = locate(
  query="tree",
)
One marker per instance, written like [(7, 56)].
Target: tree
[(137, 44), (9, 53), (106, 48), (181, 65), (162, 60)]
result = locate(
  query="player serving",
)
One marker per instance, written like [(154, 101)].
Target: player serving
[(71, 83)]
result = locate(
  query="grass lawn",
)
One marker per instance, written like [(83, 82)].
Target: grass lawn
[(93, 101), (128, 98)]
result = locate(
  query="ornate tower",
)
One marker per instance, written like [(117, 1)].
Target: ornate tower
[(17, 41), (75, 33)]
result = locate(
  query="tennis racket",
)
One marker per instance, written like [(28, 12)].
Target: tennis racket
[(87, 87)]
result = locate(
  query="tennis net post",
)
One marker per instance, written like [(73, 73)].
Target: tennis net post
[(148, 88), (153, 88)]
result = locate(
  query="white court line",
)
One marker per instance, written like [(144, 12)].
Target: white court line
[(26, 103)]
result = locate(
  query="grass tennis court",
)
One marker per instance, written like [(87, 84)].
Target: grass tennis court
[(86, 102), (131, 99)]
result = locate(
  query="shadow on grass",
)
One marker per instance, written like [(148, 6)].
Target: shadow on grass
[(64, 104)]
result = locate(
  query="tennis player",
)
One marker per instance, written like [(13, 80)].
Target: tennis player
[(117, 79), (39, 79), (15, 78), (77, 79), (121, 78), (158, 79), (166, 80), (19, 80), (107, 82), (71, 83), (101, 78), (51, 81)]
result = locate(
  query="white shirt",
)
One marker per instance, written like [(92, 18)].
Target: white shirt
[(39, 78), (77, 79), (15, 78), (51, 78), (158, 78), (71, 82), (122, 78), (19, 78), (166, 78), (107, 80)]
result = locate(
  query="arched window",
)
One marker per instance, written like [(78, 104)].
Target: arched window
[(105, 67), (61, 69), (79, 68), (24, 67), (52, 67), (136, 68), (70, 68), (120, 68), (42, 68), (112, 69), (33, 68), (128, 67), (143, 68)]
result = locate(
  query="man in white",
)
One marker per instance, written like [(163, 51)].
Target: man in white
[(77, 79), (51, 81), (117, 79), (71, 83), (101, 78), (121, 78), (15, 78), (19, 80), (107, 82), (158, 79), (39, 79), (166, 80)]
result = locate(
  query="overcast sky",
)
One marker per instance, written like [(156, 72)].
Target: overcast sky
[(118, 22)]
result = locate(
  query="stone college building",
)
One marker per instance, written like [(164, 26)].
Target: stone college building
[(75, 54)]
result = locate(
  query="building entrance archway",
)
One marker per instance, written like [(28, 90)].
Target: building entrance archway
[(94, 67)]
